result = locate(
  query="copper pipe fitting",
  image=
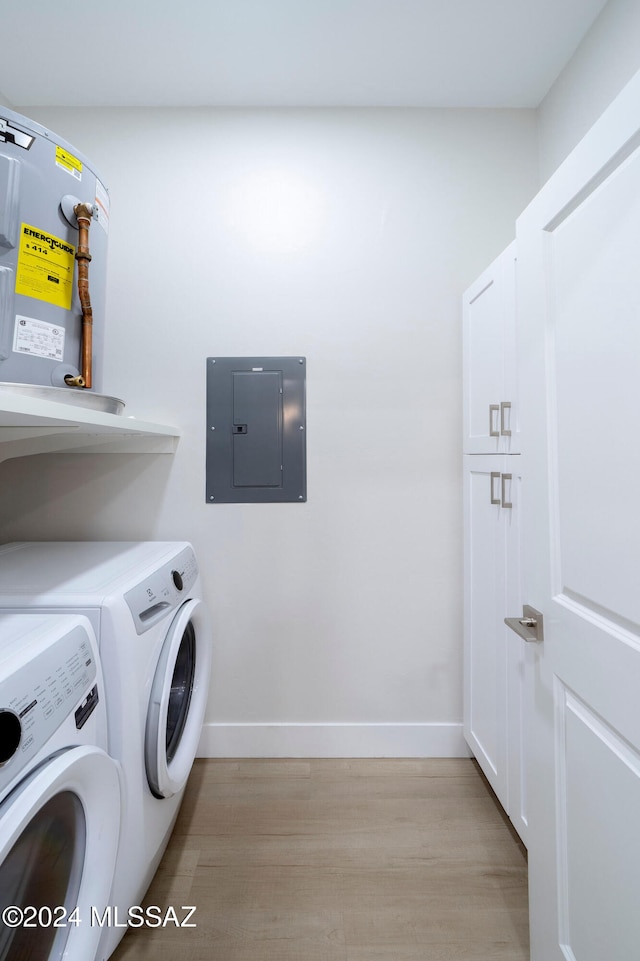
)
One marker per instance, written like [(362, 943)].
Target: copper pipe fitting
[(84, 214)]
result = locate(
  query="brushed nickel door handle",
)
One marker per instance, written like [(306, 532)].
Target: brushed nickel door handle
[(529, 627)]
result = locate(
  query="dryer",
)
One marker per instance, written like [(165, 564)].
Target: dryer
[(144, 601), (59, 790)]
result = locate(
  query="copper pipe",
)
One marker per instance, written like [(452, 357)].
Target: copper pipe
[(84, 214)]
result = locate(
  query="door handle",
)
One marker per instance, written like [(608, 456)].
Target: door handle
[(529, 627)]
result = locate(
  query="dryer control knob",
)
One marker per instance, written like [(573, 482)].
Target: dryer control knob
[(177, 579), (10, 734)]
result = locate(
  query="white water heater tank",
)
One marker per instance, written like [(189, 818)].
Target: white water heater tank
[(42, 177)]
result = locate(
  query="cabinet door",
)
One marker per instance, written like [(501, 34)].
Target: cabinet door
[(489, 403), (494, 668), (518, 653)]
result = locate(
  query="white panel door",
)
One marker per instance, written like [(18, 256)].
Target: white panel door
[(579, 311), (489, 376)]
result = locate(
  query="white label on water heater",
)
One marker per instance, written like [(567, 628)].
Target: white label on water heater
[(102, 206), (37, 338)]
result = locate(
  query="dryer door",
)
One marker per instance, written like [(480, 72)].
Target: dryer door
[(178, 700), (59, 831)]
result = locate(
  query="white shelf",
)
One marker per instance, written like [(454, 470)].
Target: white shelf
[(32, 426)]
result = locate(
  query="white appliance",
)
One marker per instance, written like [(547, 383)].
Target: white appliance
[(59, 790), (43, 333), (155, 648)]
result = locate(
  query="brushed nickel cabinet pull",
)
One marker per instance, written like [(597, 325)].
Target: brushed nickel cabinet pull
[(504, 406), (503, 491), (493, 409), (495, 476)]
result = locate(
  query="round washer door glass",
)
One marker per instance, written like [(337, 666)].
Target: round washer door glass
[(55, 828), (184, 671), (178, 700), (42, 871)]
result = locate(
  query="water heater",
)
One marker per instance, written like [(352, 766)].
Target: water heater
[(44, 324)]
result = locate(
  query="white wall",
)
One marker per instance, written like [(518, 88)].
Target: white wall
[(604, 62), (337, 622)]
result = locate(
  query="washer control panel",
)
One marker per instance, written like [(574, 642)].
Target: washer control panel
[(40, 694), (164, 590)]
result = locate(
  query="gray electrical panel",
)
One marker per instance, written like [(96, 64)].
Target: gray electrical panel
[(256, 430)]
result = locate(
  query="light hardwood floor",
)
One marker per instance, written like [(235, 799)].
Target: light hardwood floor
[(339, 860)]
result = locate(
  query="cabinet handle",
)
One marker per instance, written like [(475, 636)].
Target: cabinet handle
[(495, 476), (493, 409), (505, 502), (505, 405)]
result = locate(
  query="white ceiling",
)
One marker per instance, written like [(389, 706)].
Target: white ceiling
[(441, 53)]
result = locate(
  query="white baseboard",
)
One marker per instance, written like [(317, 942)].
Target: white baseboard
[(332, 740)]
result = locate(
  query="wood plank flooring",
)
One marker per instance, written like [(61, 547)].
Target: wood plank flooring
[(339, 860)]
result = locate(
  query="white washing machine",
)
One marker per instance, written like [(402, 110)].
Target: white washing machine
[(59, 790), (144, 602)]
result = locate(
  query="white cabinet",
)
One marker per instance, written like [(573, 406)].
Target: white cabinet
[(490, 412), (494, 669), (494, 716)]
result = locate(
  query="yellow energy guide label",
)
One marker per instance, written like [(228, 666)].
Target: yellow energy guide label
[(45, 267)]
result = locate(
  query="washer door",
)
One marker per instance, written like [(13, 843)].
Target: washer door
[(59, 833), (178, 700)]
